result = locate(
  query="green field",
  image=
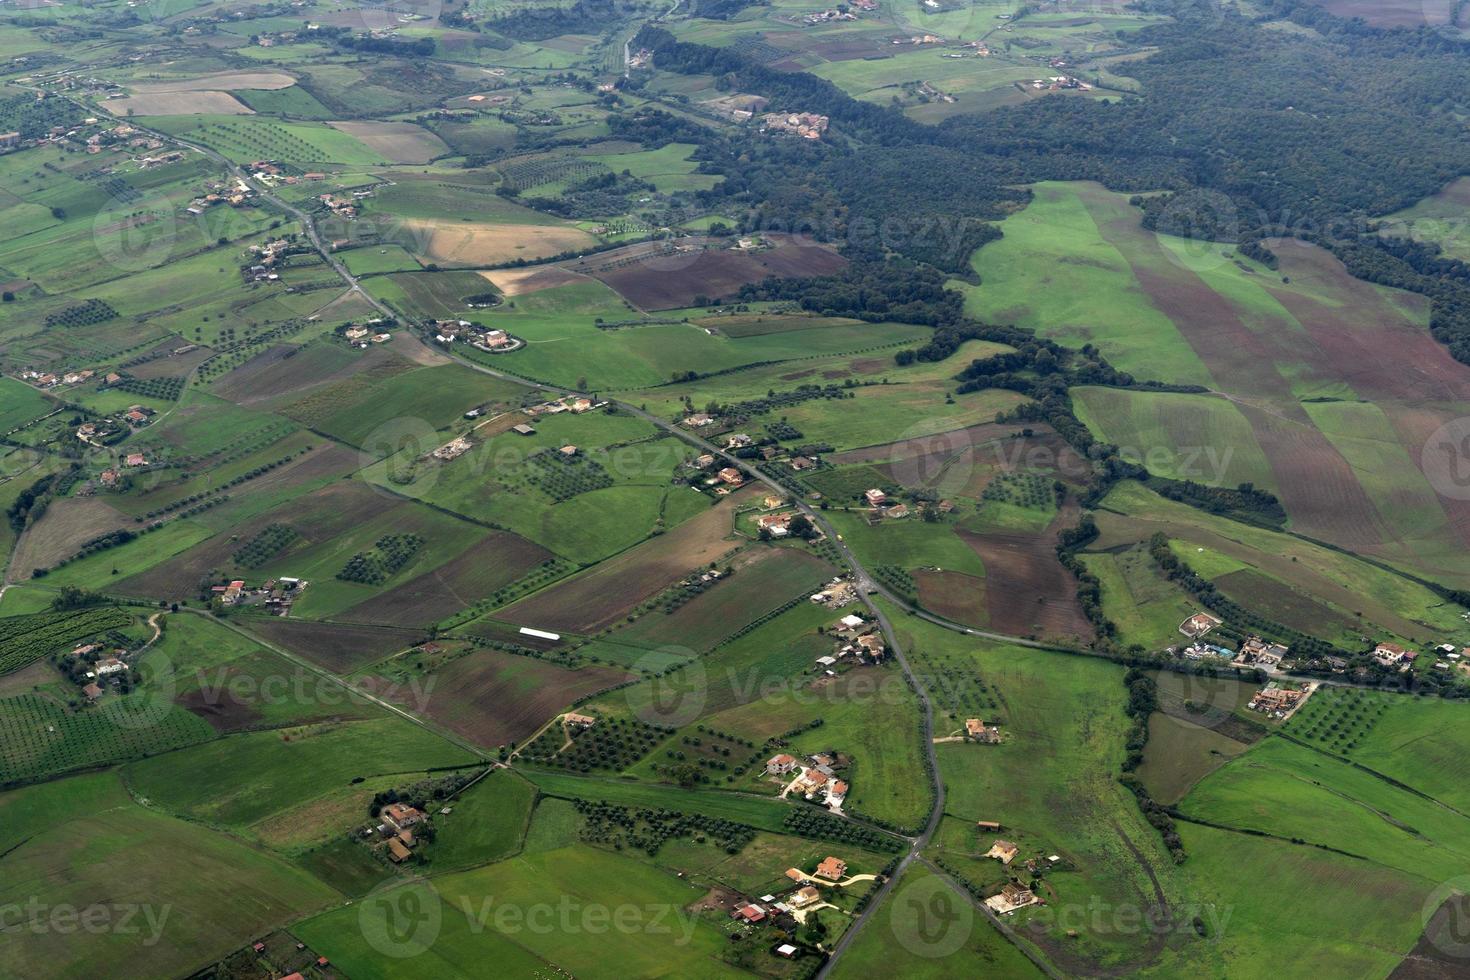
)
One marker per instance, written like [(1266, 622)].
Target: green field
[(198, 896), (242, 779)]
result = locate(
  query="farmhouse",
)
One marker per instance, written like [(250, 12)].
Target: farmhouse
[(401, 816), (1279, 702), (750, 914), (397, 851), (803, 897), (1198, 625), (832, 869), (699, 420), (731, 476), (1393, 655), (739, 441), (797, 875), (777, 525), (1011, 898), (780, 765), (580, 721), (1256, 651), (92, 691), (875, 497), (1003, 851), (812, 781), (872, 646), (977, 730), (452, 450)]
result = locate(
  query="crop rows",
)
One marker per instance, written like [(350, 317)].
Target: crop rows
[(39, 737), (25, 639)]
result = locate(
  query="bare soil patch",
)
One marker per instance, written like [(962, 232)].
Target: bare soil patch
[(339, 647), (186, 103), (60, 533), (399, 142), (479, 243), (1027, 591), (518, 282), (267, 80), (494, 698), (953, 595), (654, 279)]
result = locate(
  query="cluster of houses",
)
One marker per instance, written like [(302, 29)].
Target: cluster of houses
[(838, 593), (576, 404), (236, 194), (1278, 701), (342, 207), (807, 125), (1258, 653), (1058, 83), (360, 335), (857, 640), (827, 16), (276, 595), (103, 667), (111, 428), (264, 259), (490, 340), (813, 777), (49, 379), (787, 910), (89, 138), (270, 173), (1013, 896)]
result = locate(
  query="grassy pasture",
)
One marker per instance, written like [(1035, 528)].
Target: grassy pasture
[(203, 894), (487, 824), (1411, 740), (1290, 791), (244, 778)]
